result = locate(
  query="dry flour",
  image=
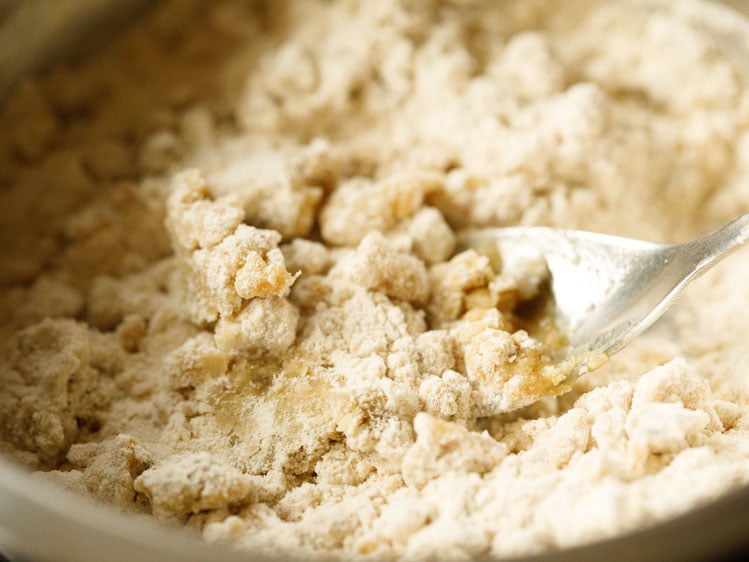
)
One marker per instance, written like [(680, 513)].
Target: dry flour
[(231, 294)]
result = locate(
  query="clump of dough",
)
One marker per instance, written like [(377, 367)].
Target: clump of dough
[(110, 468), (192, 483), (262, 324), (443, 447), (671, 410), (377, 267), (58, 382), (234, 273), (360, 206)]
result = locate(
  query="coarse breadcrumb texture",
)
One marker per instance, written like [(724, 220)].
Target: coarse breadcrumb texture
[(233, 297)]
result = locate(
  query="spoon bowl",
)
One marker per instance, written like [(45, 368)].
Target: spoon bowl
[(607, 289)]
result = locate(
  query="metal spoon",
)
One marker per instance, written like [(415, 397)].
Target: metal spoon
[(608, 290)]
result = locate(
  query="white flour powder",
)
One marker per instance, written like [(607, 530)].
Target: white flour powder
[(231, 295)]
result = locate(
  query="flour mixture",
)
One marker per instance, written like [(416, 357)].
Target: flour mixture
[(232, 297)]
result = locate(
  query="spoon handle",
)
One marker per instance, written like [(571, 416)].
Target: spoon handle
[(663, 274), (716, 245)]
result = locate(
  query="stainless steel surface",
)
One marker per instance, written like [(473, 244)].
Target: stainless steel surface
[(608, 290), (40, 522), (37, 33)]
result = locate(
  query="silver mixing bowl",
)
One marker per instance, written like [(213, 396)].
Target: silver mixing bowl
[(40, 522)]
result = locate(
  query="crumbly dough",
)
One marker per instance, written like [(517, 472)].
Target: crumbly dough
[(232, 297)]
